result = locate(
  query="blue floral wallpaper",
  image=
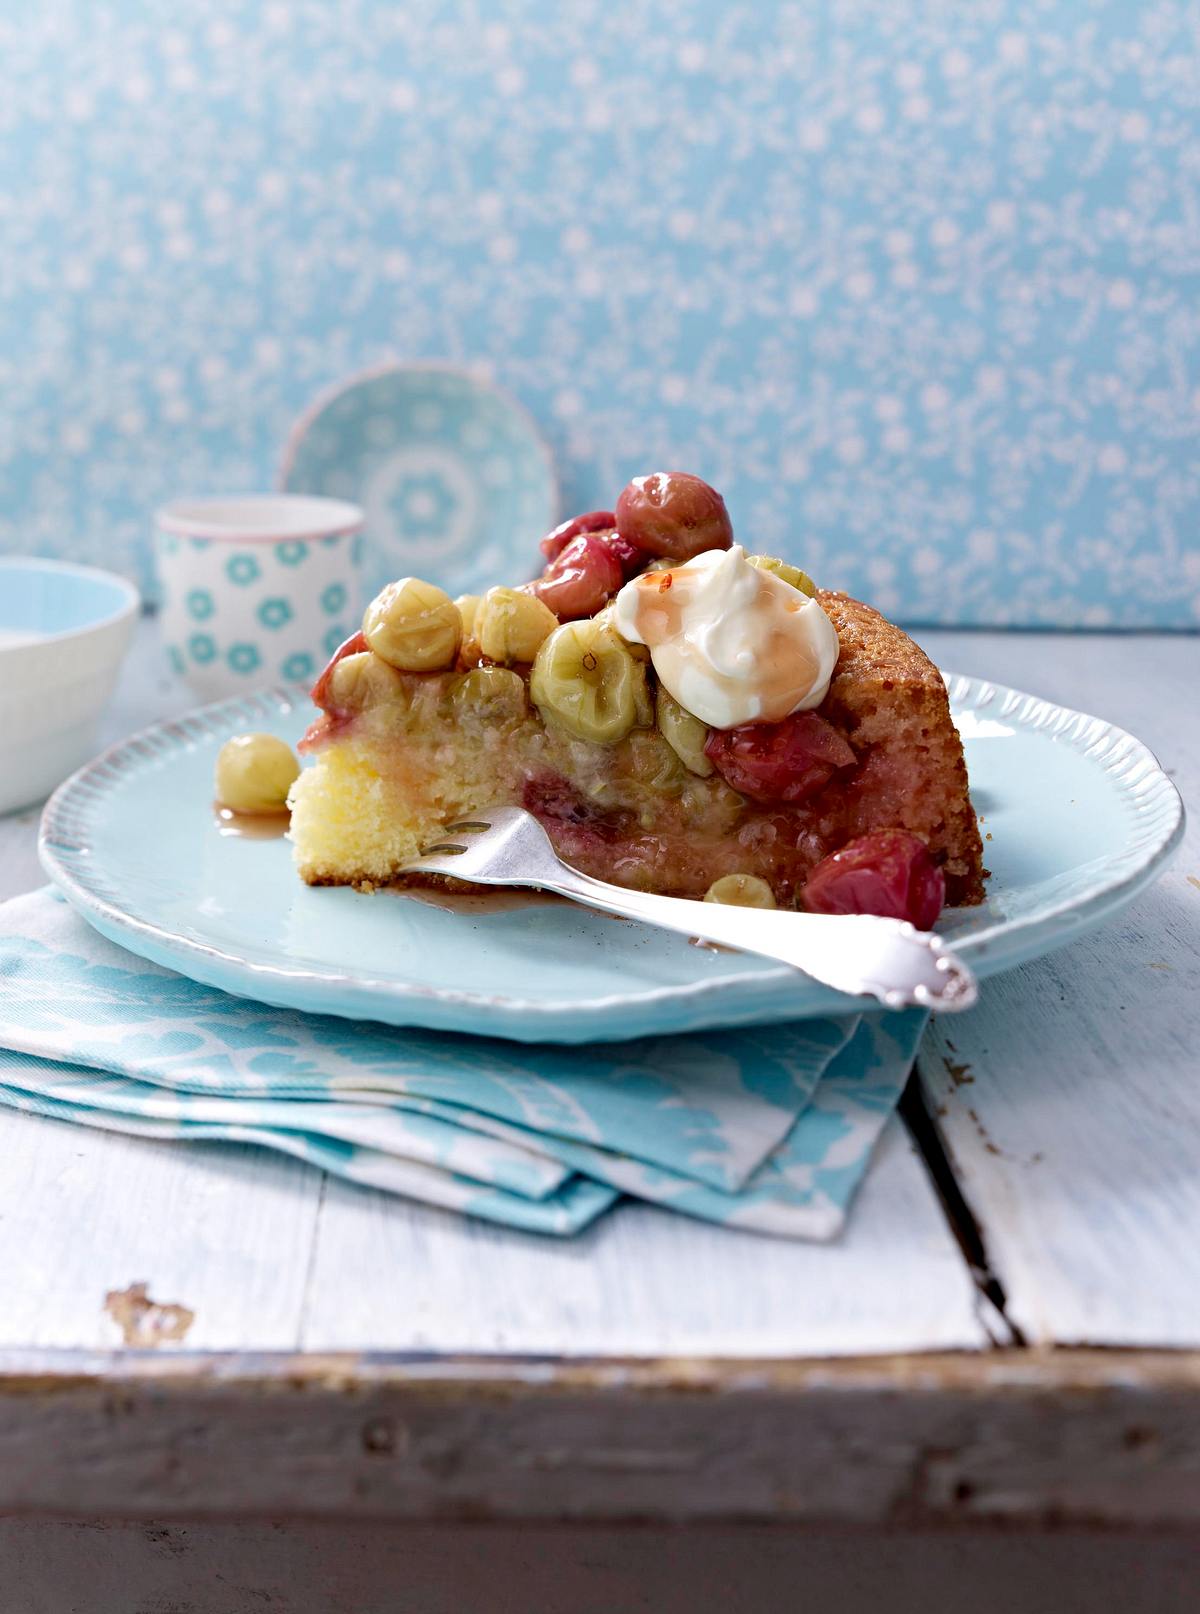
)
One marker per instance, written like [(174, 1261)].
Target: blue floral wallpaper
[(916, 284)]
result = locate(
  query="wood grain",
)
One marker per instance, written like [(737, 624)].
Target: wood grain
[(1069, 1099), (1009, 1437), (222, 1230), (232, 1235), (643, 1282)]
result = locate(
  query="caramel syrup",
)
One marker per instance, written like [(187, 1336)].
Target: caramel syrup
[(482, 899), (251, 826)]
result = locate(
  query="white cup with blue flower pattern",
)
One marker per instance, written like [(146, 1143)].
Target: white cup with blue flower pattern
[(256, 589)]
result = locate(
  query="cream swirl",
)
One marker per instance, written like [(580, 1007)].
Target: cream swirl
[(732, 643)]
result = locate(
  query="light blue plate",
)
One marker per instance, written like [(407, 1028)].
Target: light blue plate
[(1080, 814), (457, 482)]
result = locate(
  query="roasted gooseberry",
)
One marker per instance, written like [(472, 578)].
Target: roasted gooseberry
[(355, 645), (584, 576), (553, 544), (585, 678), (782, 568), (685, 734), (628, 556), (510, 625), (415, 626), (888, 872), (672, 513), (741, 891), (493, 696), (254, 773), (363, 680), (788, 761)]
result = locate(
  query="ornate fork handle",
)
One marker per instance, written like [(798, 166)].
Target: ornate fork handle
[(886, 959), (883, 958)]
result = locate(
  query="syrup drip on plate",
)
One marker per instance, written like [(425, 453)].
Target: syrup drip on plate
[(496, 899), (480, 900), (251, 826)]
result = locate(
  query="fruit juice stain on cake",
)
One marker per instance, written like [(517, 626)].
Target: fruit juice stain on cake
[(251, 826)]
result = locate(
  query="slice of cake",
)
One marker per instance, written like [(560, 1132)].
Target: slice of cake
[(675, 712)]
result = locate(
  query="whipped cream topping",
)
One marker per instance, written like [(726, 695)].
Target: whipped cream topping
[(733, 643)]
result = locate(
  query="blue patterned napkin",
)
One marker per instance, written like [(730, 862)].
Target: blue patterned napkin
[(766, 1128)]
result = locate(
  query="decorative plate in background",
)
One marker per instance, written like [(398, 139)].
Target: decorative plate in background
[(1080, 818), (456, 480)]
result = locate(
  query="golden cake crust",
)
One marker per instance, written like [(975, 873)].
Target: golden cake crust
[(885, 688)]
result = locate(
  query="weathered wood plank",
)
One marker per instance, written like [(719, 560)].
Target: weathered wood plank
[(1006, 1436), (642, 1251), (221, 1231), (387, 1274), (83, 1214), (1070, 1098), (228, 1234)]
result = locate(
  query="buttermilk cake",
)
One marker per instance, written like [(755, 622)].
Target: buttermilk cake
[(683, 717)]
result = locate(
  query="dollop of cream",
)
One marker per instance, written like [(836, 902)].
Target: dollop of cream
[(734, 644)]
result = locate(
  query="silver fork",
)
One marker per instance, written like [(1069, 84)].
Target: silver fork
[(886, 959)]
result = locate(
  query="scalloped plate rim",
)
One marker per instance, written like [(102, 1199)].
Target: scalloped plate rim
[(64, 853)]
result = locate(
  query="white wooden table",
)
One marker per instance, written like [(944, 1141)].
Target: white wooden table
[(1005, 1333)]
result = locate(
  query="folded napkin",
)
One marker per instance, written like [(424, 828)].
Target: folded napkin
[(766, 1128)]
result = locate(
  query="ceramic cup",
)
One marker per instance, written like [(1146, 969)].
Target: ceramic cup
[(256, 589)]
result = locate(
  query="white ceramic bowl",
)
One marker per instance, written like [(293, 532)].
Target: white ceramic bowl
[(64, 631)]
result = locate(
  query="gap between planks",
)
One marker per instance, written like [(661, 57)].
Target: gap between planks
[(1067, 1098), (926, 1138)]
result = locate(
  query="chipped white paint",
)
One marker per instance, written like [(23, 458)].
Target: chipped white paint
[(222, 1230)]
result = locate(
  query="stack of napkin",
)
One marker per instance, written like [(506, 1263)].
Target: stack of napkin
[(768, 1128)]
